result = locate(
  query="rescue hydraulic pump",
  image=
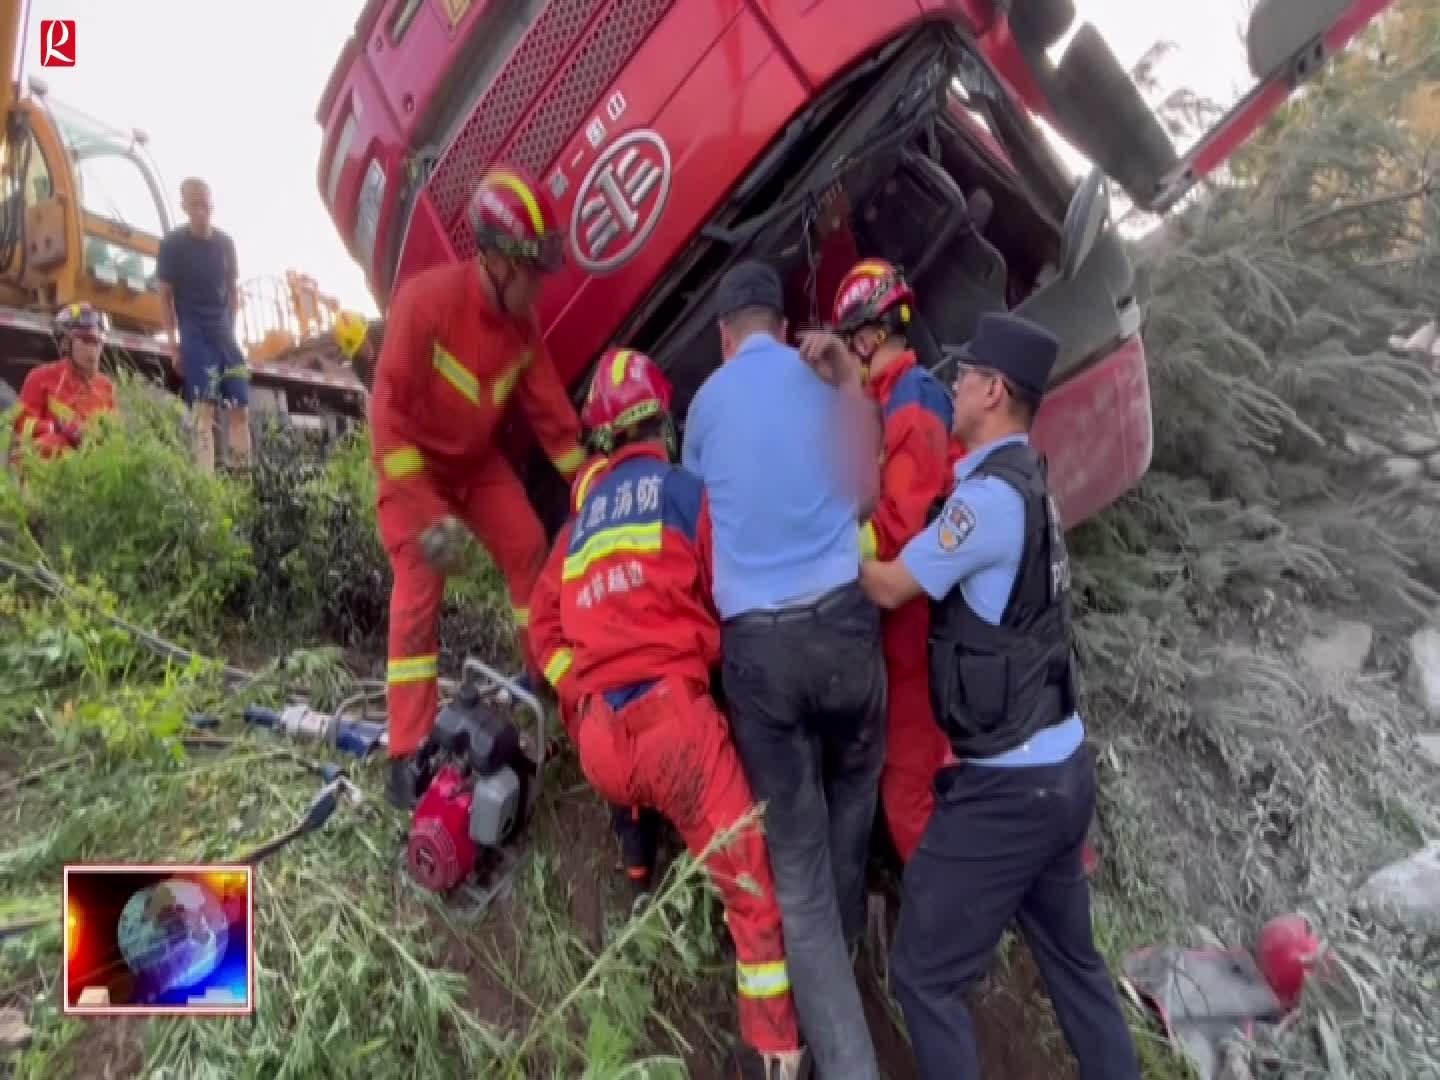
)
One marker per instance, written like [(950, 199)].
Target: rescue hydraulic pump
[(478, 787)]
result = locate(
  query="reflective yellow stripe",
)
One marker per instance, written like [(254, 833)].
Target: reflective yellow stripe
[(505, 384), (27, 428), (521, 615), (558, 665), (618, 366), (62, 412), (635, 539), (398, 464), (569, 461), (869, 541), (766, 980), (408, 669), (583, 486), (453, 372), (522, 192)]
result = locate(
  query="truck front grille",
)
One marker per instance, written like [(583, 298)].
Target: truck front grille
[(562, 108)]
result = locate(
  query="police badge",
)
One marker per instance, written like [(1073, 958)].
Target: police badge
[(957, 522)]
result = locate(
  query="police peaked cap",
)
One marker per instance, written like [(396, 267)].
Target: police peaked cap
[(1016, 348)]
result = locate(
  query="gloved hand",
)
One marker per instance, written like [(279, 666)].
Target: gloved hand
[(444, 544), (71, 433)]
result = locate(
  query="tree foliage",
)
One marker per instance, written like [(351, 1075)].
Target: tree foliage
[(1238, 782)]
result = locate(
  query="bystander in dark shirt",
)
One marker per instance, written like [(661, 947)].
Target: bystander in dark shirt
[(200, 271)]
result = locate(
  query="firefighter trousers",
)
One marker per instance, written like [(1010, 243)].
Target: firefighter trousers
[(491, 501), (636, 828), (915, 747), (670, 750)]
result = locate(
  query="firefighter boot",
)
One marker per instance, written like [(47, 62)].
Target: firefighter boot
[(238, 451), (202, 437), (400, 787), (638, 830), (747, 1063)]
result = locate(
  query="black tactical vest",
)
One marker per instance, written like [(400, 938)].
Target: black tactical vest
[(993, 687)]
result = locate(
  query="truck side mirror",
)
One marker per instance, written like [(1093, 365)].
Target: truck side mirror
[(1088, 211), (1281, 29)]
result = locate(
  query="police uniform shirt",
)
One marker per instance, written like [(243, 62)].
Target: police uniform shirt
[(975, 544)]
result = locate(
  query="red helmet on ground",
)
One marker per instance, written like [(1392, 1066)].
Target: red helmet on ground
[(628, 388), (512, 215), (1286, 952), (871, 290), (79, 318)]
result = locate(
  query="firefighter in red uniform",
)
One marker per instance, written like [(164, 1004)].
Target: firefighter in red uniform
[(872, 311), (636, 827), (461, 341), (637, 614), (59, 398)]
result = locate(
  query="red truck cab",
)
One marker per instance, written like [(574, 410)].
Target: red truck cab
[(678, 137)]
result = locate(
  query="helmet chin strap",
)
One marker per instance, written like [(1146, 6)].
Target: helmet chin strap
[(672, 442), (497, 286), (881, 336)]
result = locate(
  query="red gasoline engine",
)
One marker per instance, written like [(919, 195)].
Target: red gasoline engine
[(478, 782)]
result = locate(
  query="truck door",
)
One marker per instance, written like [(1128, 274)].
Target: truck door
[(1094, 103)]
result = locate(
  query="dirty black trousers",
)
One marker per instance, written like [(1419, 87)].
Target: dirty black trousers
[(1002, 844), (806, 693)]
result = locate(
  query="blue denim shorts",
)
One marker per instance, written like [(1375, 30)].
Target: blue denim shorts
[(214, 367)]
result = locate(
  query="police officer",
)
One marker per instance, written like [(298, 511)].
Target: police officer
[(1009, 824)]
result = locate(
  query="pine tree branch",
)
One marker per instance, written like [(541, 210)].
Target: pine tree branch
[(1359, 207)]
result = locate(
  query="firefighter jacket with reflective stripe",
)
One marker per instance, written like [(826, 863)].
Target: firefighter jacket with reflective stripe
[(635, 597), (450, 364), (919, 455), (547, 634), (993, 687), (54, 397)]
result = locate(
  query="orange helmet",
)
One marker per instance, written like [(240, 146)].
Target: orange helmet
[(628, 388), (514, 217), (870, 292)]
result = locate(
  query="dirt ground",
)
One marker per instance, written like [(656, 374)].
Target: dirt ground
[(1014, 1023), (110, 1048)]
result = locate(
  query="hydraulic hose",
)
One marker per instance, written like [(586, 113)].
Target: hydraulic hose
[(19, 146)]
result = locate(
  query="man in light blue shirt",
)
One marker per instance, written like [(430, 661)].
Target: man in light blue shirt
[(1008, 830), (786, 445)]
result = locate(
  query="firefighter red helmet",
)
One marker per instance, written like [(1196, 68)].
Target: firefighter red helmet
[(512, 215), (871, 290), (79, 318), (1287, 951), (628, 388)]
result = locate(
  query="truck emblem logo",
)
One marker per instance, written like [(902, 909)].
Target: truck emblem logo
[(620, 201)]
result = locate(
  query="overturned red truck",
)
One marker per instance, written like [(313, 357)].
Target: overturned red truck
[(680, 136)]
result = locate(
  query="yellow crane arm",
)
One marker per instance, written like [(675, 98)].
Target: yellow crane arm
[(13, 14)]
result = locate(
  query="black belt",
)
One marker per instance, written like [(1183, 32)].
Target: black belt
[(817, 609)]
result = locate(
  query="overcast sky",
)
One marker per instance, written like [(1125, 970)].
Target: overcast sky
[(227, 91)]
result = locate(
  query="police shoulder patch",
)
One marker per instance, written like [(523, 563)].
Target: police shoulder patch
[(957, 522)]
